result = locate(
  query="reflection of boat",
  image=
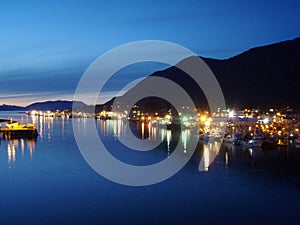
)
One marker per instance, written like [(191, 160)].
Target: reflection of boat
[(171, 126), (15, 130), (269, 143)]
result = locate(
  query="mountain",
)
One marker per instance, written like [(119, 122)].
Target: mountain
[(53, 105), (264, 76), (11, 108), (267, 76), (44, 106)]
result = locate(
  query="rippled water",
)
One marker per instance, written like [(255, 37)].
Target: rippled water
[(47, 181)]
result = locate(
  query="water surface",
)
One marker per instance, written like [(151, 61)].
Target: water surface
[(47, 181)]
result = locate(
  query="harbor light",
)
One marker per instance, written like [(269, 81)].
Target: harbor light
[(203, 118), (168, 117), (34, 113), (265, 120), (207, 123)]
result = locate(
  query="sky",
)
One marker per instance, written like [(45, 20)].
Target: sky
[(46, 46)]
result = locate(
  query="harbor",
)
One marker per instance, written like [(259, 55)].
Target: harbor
[(246, 127)]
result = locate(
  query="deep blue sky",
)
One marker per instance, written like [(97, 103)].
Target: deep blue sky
[(45, 46)]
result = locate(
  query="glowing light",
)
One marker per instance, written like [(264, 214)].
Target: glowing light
[(168, 117), (203, 118), (265, 120), (207, 123), (34, 113)]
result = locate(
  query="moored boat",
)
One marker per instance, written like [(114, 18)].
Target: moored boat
[(256, 141), (15, 130), (297, 142)]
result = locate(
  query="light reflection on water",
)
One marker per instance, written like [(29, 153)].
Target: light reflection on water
[(15, 146), (49, 126), (39, 174)]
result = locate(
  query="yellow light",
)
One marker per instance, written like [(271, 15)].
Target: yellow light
[(203, 118), (168, 117)]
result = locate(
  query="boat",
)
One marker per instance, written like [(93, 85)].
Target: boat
[(256, 141), (269, 143), (15, 130), (297, 142), (282, 142), (236, 139)]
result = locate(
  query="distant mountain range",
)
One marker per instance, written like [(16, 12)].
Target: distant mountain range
[(267, 76), (43, 106)]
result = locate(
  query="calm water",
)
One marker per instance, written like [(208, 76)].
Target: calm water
[(46, 181)]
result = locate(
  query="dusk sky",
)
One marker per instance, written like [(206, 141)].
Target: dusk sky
[(45, 46)]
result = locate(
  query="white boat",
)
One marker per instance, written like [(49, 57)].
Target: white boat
[(297, 141), (256, 141), (236, 139)]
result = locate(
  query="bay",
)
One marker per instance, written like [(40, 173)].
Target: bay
[(47, 181)]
